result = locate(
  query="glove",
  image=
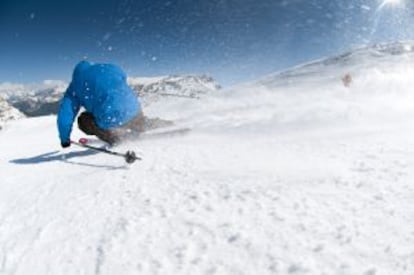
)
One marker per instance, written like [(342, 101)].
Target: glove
[(65, 144)]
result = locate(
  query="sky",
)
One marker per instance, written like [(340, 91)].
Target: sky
[(233, 41)]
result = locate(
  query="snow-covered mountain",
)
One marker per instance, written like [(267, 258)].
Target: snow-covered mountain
[(361, 60), (188, 86), (34, 99), (292, 174), (314, 93), (7, 112), (43, 99)]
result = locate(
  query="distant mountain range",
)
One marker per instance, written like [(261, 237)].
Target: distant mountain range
[(18, 100)]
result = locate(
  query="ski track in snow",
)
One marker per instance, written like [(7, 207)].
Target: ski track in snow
[(247, 191), (231, 205)]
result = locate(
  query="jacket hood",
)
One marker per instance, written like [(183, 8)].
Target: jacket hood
[(80, 68)]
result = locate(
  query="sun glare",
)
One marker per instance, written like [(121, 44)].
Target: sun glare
[(391, 2)]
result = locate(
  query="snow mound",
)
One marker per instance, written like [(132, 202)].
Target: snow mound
[(314, 94), (154, 89), (8, 112)]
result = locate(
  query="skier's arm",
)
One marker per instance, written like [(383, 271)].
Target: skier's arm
[(69, 108)]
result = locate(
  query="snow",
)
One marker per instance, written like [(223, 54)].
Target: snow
[(274, 178), (160, 89), (8, 112), (144, 80)]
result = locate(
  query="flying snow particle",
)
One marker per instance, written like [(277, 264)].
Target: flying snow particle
[(154, 58), (106, 36), (408, 48), (365, 7), (390, 3), (110, 48), (32, 16), (284, 3), (120, 21)]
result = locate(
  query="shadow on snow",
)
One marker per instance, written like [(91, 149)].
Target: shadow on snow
[(56, 156)]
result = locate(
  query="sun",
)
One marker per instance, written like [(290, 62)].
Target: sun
[(391, 2)]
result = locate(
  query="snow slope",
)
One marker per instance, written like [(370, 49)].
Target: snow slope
[(312, 178)]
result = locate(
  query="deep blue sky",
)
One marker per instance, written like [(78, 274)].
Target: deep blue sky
[(232, 40)]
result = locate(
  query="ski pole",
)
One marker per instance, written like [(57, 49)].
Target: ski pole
[(129, 156)]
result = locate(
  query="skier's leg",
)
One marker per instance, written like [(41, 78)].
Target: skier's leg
[(131, 129), (136, 125), (86, 124)]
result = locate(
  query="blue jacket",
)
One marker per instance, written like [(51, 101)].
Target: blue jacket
[(103, 91)]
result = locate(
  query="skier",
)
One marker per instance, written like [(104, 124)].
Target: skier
[(113, 111), (347, 80)]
